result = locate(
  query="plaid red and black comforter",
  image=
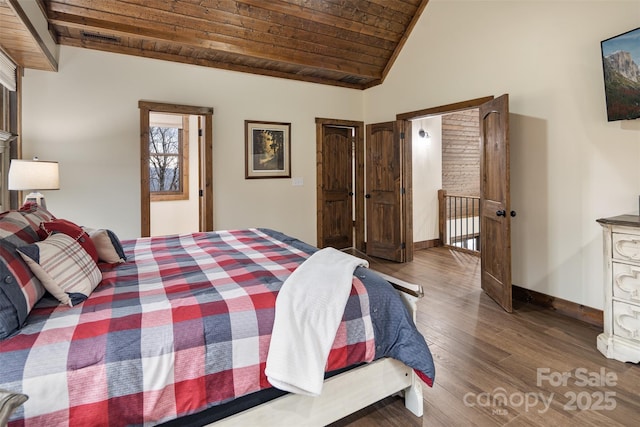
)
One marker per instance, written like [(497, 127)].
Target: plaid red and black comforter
[(183, 325)]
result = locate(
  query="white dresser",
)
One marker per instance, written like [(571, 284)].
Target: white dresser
[(621, 337)]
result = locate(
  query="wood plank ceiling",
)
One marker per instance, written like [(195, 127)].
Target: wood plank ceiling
[(348, 43), (19, 39)]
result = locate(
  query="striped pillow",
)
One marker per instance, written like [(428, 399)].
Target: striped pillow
[(72, 230), (65, 269)]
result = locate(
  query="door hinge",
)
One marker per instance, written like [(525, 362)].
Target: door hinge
[(402, 190), (200, 193), (403, 245), (200, 132), (401, 135)]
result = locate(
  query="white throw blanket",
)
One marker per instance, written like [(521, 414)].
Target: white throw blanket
[(309, 309)]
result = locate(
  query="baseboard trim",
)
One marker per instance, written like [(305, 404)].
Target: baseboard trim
[(589, 315), (426, 244)]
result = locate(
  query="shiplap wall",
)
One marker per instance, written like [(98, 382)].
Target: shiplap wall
[(461, 153)]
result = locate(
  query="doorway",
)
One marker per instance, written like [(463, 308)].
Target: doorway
[(173, 173), (173, 139), (389, 163), (340, 183), (342, 169), (494, 194), (446, 175)]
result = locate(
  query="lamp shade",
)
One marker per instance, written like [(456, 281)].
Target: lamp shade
[(33, 175)]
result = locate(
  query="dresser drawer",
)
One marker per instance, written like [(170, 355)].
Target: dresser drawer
[(626, 320), (626, 282), (626, 247)]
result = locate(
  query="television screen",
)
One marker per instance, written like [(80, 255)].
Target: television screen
[(620, 61)]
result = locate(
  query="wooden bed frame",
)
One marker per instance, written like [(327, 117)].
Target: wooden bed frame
[(345, 393)]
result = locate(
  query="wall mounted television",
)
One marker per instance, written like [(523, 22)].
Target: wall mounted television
[(621, 65)]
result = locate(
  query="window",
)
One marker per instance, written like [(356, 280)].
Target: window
[(8, 131), (165, 151), (168, 157)]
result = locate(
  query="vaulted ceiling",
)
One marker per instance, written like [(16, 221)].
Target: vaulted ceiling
[(349, 43)]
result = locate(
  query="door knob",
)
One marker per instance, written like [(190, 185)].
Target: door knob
[(513, 213), (501, 213), (351, 193), (367, 196)]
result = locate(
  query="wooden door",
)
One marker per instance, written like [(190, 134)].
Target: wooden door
[(384, 191), (205, 172), (336, 189), (495, 209)]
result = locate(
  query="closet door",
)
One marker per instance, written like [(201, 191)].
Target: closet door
[(336, 198), (384, 192)]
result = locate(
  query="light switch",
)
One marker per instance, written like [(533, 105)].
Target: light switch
[(297, 181)]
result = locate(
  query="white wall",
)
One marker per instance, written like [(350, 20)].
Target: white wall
[(427, 177), (569, 166), (86, 116)]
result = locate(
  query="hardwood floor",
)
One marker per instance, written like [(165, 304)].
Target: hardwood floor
[(483, 354)]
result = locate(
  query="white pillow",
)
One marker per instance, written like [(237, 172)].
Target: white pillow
[(107, 244)]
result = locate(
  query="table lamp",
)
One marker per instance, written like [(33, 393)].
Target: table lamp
[(33, 175)]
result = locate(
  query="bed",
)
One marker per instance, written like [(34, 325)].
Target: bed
[(179, 331)]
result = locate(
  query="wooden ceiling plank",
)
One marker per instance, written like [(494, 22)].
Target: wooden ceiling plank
[(264, 23), (365, 11), (213, 12), (403, 7), (350, 43), (226, 23), (190, 60), (233, 62), (21, 41), (279, 32), (338, 22), (285, 55), (354, 11)]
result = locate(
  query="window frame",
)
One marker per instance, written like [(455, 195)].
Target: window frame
[(183, 159), (10, 122)]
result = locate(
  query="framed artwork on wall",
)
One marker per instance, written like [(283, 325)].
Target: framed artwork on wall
[(621, 65), (267, 149)]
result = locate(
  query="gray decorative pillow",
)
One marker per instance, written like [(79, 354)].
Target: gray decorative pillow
[(9, 402)]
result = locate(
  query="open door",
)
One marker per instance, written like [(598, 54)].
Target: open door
[(495, 204), (384, 192)]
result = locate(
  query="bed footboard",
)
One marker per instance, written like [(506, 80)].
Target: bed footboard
[(342, 395), (410, 294)]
